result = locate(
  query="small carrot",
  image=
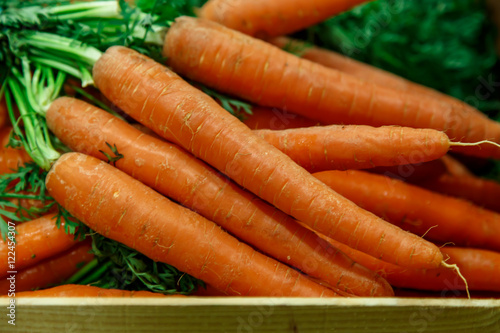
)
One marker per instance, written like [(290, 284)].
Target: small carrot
[(50, 271), (273, 18), (478, 267), (75, 290), (10, 158), (440, 218), (275, 119), (35, 240), (162, 101), (127, 211), (180, 176), (240, 65), (338, 147)]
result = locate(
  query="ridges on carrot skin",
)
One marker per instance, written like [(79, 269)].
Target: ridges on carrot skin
[(167, 232), (245, 158), (335, 97)]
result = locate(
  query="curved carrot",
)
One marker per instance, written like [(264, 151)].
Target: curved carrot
[(75, 290), (273, 18), (127, 211), (259, 72), (50, 271), (180, 176), (338, 147), (10, 158), (478, 267), (161, 100), (35, 240), (275, 119), (440, 218), (482, 192)]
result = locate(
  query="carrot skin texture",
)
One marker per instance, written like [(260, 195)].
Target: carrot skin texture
[(339, 147), (273, 18), (211, 54), (75, 290), (10, 158), (36, 240), (418, 210), (413, 173), (123, 209), (50, 271), (162, 101), (180, 176), (275, 119), (479, 267)]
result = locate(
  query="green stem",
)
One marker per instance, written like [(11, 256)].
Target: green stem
[(97, 273), (82, 272)]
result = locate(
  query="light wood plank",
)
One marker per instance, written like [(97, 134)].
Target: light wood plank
[(391, 315)]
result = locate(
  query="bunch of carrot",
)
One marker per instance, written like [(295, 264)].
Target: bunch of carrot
[(278, 205)]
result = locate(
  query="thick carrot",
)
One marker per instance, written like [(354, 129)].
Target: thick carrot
[(10, 158), (275, 119), (180, 176), (265, 18), (75, 290), (161, 100), (440, 218), (35, 240), (478, 267), (125, 210), (266, 75), (50, 271), (482, 192), (338, 147), (358, 69)]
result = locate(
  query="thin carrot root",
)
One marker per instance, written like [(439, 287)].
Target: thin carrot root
[(472, 144), (457, 269)]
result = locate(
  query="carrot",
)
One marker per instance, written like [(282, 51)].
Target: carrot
[(482, 192), (35, 240), (413, 173), (50, 271), (10, 158), (479, 268), (180, 176), (259, 72), (161, 100), (420, 211), (359, 69), (273, 18), (73, 290), (127, 211), (275, 119), (338, 147), (454, 167)]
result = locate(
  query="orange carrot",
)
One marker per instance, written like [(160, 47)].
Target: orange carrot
[(127, 211), (359, 69), (75, 290), (338, 147), (479, 268), (482, 192), (413, 173), (10, 158), (161, 100), (454, 167), (35, 240), (440, 218), (273, 18), (180, 176), (259, 72), (275, 119), (50, 271)]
